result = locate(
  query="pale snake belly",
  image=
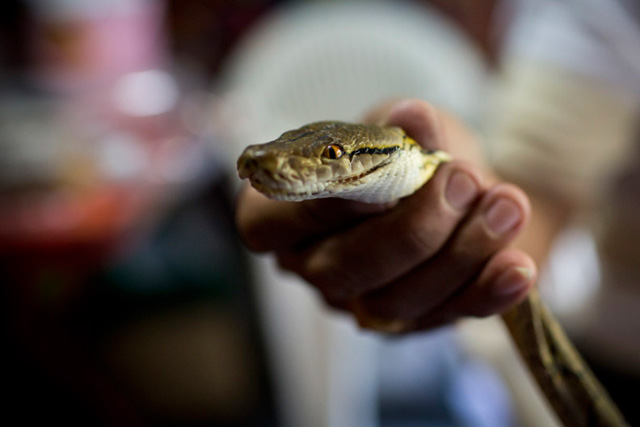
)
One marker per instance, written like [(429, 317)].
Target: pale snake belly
[(378, 164)]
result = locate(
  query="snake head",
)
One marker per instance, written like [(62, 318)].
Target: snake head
[(287, 171), (324, 159)]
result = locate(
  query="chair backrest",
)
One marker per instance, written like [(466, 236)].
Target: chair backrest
[(334, 61)]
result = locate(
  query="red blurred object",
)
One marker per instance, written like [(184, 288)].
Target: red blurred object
[(58, 222)]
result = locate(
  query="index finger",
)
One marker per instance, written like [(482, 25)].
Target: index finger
[(433, 128)]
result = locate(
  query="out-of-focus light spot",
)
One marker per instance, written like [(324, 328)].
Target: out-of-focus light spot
[(122, 157), (574, 271), (479, 397), (196, 112), (181, 163), (145, 93)]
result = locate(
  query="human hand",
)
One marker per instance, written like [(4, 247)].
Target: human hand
[(423, 261)]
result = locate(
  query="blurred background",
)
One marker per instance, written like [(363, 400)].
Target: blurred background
[(127, 297)]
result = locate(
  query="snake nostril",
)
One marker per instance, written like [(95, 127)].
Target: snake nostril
[(252, 164), (247, 165)]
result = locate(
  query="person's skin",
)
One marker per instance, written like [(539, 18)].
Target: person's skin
[(442, 253)]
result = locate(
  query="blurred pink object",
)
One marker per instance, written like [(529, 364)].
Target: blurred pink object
[(81, 45)]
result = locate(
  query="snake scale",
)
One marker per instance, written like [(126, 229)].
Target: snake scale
[(378, 164)]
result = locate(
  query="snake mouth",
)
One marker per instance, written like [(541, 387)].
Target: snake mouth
[(279, 192), (355, 178), (278, 186)]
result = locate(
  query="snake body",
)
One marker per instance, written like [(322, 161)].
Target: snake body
[(378, 164)]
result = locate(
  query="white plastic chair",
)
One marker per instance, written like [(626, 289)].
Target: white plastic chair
[(334, 61)]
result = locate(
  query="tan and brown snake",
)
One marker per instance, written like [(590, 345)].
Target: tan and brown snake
[(378, 164)]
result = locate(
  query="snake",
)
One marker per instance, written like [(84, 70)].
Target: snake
[(378, 164)]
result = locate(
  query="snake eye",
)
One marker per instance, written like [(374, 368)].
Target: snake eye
[(332, 151)]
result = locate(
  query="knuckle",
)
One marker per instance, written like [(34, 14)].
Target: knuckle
[(470, 256), (421, 109), (481, 302), (472, 249), (253, 223), (334, 279), (428, 112), (287, 261), (423, 235), (436, 320), (252, 235), (253, 230), (481, 310)]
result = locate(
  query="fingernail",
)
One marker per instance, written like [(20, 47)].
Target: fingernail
[(502, 216), (461, 190), (512, 281)]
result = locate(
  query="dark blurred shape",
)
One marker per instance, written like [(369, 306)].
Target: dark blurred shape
[(126, 295), (162, 333), (206, 31), (15, 21), (477, 19)]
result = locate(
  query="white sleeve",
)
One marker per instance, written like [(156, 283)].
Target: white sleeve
[(566, 111), (597, 38)]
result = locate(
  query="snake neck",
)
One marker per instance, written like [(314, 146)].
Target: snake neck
[(395, 179)]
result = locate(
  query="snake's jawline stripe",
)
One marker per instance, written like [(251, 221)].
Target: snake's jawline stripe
[(362, 175), (274, 192), (374, 150)]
